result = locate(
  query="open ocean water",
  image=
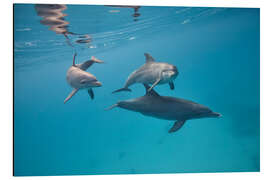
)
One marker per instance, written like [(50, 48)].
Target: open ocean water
[(217, 53)]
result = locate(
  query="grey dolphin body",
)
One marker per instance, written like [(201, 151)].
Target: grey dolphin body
[(151, 73), (78, 78), (165, 107)]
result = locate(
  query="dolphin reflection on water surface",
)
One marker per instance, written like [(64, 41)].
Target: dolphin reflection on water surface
[(53, 17)]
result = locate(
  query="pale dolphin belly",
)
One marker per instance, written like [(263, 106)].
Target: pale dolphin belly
[(149, 74), (146, 75), (74, 77)]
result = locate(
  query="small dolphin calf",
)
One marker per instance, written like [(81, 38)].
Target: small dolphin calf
[(152, 73), (78, 78), (164, 107)]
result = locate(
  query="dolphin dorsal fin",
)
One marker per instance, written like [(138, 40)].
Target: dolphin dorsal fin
[(152, 92), (74, 59), (148, 58)]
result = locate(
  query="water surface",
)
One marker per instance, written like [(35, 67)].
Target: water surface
[(216, 51)]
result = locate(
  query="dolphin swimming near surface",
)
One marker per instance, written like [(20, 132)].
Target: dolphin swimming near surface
[(165, 107), (151, 73), (78, 78)]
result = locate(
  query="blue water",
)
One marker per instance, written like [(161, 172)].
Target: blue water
[(217, 53)]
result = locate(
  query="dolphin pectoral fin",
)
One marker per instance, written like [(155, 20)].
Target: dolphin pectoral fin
[(71, 94), (153, 85), (152, 92), (177, 125), (122, 89), (171, 85), (91, 93)]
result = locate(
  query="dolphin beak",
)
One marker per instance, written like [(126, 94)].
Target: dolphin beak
[(98, 84)]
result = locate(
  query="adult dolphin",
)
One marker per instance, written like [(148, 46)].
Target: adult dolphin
[(151, 73), (165, 107), (78, 78)]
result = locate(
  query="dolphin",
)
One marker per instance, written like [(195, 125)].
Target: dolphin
[(151, 73), (165, 107), (78, 78)]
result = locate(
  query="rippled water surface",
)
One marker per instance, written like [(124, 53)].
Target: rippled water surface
[(216, 51)]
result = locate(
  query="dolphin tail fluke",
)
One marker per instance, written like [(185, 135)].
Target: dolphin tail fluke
[(94, 59), (122, 89), (177, 125), (84, 66), (111, 107), (70, 95)]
